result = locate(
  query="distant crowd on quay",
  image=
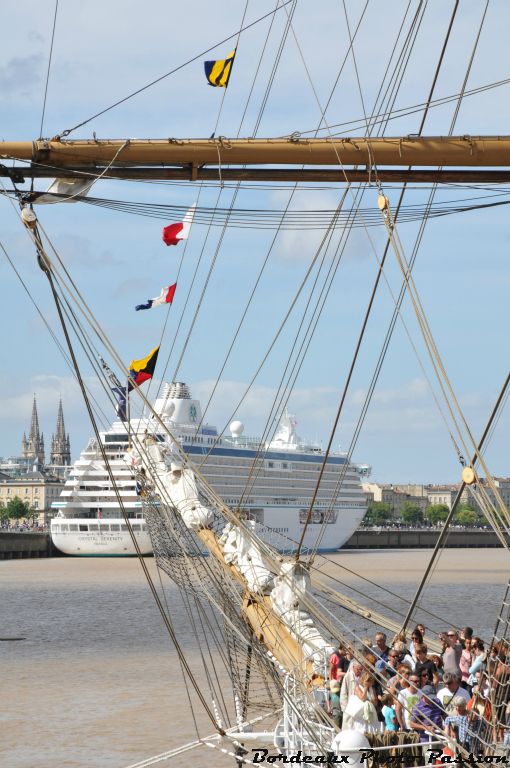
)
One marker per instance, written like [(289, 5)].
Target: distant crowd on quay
[(461, 692)]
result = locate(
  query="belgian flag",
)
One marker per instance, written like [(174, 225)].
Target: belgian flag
[(218, 72), (142, 370)]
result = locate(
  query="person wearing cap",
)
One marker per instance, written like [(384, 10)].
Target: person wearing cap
[(335, 709), (457, 725), (427, 714)]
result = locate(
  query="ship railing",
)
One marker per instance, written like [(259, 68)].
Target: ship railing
[(245, 442), (300, 728)]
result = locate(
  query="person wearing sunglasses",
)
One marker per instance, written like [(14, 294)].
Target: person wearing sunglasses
[(388, 668), (451, 689), (479, 657), (425, 667), (452, 653), (406, 700), (416, 638)]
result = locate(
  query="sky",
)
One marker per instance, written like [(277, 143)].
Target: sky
[(104, 51)]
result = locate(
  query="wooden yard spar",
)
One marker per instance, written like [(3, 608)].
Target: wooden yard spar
[(340, 159)]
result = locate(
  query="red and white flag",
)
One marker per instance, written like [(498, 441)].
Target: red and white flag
[(180, 231)]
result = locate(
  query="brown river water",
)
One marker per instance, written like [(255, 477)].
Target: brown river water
[(96, 682)]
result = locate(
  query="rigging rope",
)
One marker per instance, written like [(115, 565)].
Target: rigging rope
[(442, 536), (398, 304), (173, 71), (294, 220), (396, 114), (48, 70), (166, 619), (45, 264), (437, 363), (368, 311)]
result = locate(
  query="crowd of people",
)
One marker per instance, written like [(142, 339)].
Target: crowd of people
[(404, 687)]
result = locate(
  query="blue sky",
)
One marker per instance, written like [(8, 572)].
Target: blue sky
[(104, 51)]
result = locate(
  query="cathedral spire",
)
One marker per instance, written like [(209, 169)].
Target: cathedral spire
[(33, 448), (61, 430), (60, 447), (34, 426)]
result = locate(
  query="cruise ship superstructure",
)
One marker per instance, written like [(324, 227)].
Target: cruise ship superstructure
[(272, 484)]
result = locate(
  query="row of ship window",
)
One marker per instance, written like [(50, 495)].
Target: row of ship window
[(95, 527)]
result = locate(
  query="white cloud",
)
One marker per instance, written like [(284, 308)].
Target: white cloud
[(21, 75), (412, 391), (80, 250), (391, 410)]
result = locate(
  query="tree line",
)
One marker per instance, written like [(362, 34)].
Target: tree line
[(16, 509), (379, 513)]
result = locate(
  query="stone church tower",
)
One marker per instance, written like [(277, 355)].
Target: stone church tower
[(33, 448), (60, 446)]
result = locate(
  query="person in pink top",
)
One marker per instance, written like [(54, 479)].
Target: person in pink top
[(466, 659)]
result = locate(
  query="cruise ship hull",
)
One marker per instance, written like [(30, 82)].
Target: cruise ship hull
[(100, 543), (282, 530)]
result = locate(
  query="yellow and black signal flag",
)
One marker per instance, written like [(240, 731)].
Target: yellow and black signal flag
[(218, 72), (142, 370)]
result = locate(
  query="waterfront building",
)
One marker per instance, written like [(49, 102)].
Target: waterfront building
[(37, 488), (395, 496), (442, 494), (424, 496), (501, 483)]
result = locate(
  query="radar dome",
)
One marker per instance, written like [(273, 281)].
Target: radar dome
[(236, 428)]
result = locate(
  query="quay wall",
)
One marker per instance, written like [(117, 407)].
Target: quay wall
[(18, 545), (394, 538)]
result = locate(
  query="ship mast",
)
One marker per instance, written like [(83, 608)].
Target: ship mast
[(467, 159)]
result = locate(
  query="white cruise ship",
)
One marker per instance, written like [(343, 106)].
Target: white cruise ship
[(276, 496)]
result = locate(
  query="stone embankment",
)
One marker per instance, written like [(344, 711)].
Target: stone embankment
[(26, 544), (419, 538), (18, 545)]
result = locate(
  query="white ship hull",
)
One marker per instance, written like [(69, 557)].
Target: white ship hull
[(103, 542), (271, 485), (281, 530)]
